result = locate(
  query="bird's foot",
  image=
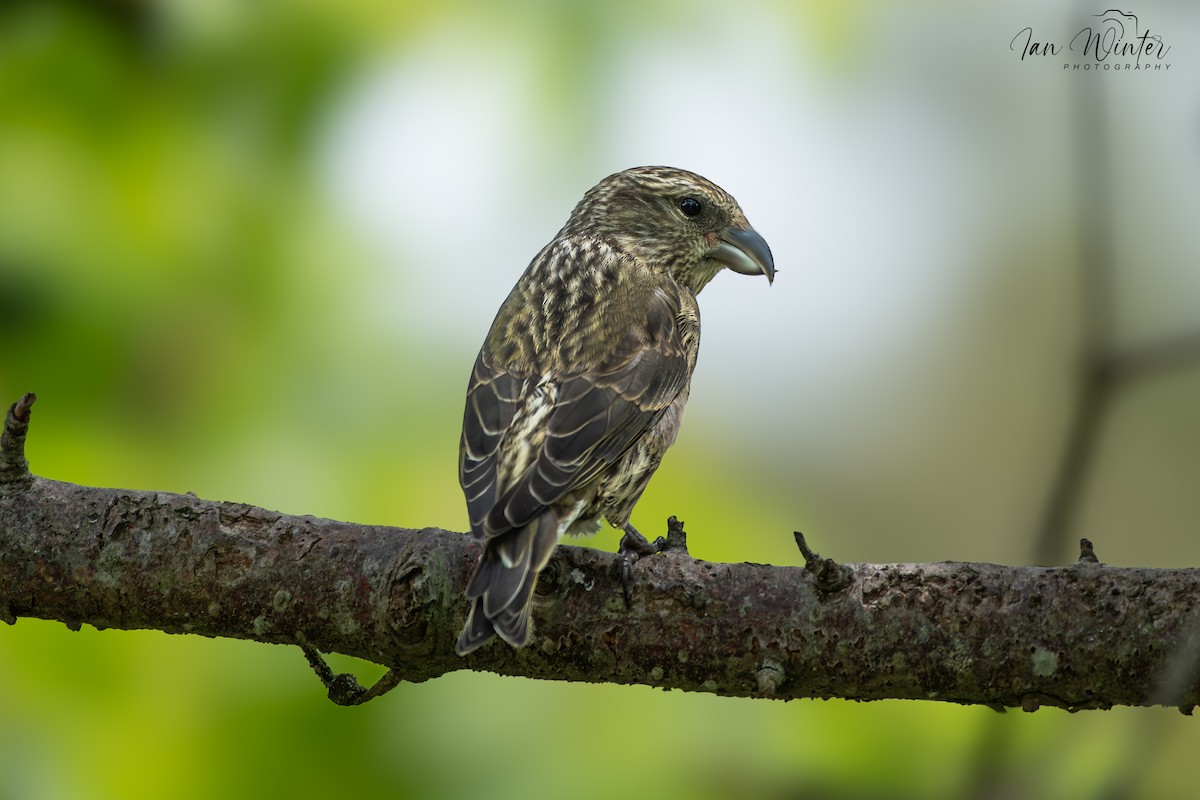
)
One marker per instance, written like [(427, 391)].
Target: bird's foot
[(634, 546)]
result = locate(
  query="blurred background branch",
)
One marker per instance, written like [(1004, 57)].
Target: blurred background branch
[(1103, 370)]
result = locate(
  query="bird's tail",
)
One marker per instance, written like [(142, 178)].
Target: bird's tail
[(502, 588)]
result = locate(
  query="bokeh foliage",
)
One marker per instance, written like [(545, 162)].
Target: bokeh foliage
[(177, 289)]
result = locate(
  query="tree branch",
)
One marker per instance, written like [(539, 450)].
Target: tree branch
[(1082, 636)]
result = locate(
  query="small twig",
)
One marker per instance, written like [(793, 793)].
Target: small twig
[(676, 535), (831, 576), (343, 688), (13, 466)]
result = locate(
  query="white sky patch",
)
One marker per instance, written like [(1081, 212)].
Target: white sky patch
[(418, 157)]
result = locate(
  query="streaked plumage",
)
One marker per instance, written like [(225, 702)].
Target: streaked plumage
[(579, 387)]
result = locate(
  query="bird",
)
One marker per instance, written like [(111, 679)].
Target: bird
[(580, 385)]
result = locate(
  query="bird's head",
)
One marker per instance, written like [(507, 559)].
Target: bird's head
[(674, 221)]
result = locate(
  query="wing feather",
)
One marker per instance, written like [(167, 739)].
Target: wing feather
[(493, 398), (597, 416)]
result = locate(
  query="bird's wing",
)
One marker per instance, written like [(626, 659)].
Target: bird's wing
[(596, 416), (493, 397)]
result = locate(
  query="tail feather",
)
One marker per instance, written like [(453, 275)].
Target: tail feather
[(502, 588), (477, 630)]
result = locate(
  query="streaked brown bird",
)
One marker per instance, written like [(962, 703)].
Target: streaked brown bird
[(579, 387)]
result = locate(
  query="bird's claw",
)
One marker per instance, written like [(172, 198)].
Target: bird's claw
[(634, 546), (625, 562), (634, 542)]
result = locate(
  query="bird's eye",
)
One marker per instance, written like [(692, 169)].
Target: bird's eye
[(690, 206)]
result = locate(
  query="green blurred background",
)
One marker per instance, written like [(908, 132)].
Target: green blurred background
[(249, 250)]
